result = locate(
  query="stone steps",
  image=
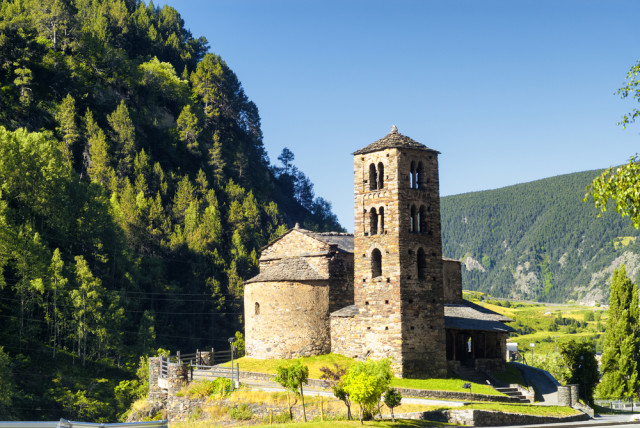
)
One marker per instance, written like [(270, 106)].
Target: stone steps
[(513, 393), (472, 375)]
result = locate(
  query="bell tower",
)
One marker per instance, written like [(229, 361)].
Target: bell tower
[(398, 282)]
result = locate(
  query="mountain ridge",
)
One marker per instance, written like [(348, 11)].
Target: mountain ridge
[(538, 240)]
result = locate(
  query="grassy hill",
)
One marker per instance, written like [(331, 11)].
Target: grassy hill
[(538, 241)]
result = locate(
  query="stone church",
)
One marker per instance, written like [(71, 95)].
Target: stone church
[(386, 290)]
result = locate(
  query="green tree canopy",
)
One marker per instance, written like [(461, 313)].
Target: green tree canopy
[(621, 185), (365, 382), (621, 351)]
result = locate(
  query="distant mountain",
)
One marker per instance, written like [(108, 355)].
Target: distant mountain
[(539, 241)]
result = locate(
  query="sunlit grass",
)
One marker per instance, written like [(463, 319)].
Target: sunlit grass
[(314, 364), (527, 409), (454, 385)]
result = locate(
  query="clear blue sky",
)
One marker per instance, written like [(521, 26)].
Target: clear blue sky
[(508, 91)]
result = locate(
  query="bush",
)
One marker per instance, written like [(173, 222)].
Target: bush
[(241, 412), (219, 386)]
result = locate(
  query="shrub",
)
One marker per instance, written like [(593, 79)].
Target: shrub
[(219, 386), (241, 412)]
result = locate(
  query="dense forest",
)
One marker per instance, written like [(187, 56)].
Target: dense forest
[(539, 241), (135, 192)]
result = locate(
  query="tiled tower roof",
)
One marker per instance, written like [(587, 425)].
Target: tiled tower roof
[(393, 139)]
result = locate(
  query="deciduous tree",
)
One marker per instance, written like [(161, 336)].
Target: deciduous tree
[(621, 184), (365, 383), (292, 377)]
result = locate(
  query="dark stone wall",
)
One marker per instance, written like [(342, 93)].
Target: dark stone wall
[(452, 277), (402, 310), (340, 281)]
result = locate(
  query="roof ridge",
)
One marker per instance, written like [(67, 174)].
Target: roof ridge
[(393, 139)]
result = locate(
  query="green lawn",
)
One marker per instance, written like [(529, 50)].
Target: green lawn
[(443, 385), (315, 363), (527, 409)]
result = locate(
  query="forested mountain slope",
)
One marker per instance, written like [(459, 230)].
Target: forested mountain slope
[(538, 241), (135, 192)]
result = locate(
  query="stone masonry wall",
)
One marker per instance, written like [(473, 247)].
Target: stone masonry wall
[(292, 319), (484, 418), (401, 312), (155, 392), (452, 277), (424, 344), (290, 245), (340, 281)]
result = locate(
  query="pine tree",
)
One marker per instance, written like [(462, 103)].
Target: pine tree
[(621, 339), (124, 136), (67, 128), (99, 167), (216, 159), (58, 283), (189, 129)]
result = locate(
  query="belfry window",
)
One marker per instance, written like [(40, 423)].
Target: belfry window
[(422, 219), (376, 263), (373, 222), (373, 177), (412, 176), (412, 220), (380, 175), (419, 178), (421, 264), (381, 220)]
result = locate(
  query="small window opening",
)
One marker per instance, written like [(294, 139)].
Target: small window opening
[(386, 302), (373, 221), (373, 177), (412, 175), (257, 308), (419, 180), (412, 223), (376, 263), (422, 219), (380, 175)]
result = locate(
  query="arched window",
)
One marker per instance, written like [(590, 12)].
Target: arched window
[(373, 222), (373, 177), (412, 176), (257, 308), (421, 264), (419, 180), (380, 175), (412, 222), (376, 263), (422, 219), (381, 220)]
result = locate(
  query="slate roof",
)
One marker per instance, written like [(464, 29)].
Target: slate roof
[(346, 312), (291, 269), (394, 139), (469, 316), (344, 241)]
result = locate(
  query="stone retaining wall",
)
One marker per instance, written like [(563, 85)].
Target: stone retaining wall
[(406, 392), (484, 418), (454, 395)]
